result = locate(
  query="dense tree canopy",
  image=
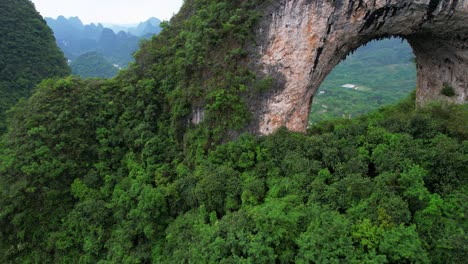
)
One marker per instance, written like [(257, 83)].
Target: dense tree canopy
[(77, 183), (28, 53), (112, 171), (93, 65)]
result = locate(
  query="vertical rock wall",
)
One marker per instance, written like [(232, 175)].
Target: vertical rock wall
[(301, 41)]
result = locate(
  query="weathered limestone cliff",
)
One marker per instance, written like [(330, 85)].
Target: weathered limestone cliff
[(300, 41)]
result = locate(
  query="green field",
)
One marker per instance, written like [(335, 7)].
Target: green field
[(383, 72)]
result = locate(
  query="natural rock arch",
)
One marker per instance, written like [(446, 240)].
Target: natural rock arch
[(300, 41)]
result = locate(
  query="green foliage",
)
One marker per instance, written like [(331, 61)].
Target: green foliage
[(111, 171), (28, 53), (365, 190), (93, 65), (327, 238), (448, 90), (50, 149)]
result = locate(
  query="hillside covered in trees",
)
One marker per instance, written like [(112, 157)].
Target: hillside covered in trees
[(28, 53), (111, 171), (93, 65)]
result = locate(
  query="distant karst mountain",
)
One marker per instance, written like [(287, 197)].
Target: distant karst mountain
[(144, 29), (147, 29), (115, 44)]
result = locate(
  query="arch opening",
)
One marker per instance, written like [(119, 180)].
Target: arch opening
[(378, 73), (302, 41)]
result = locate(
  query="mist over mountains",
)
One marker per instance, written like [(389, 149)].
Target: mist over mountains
[(144, 29), (115, 43)]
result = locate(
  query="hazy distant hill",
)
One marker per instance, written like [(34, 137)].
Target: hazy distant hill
[(28, 53), (76, 39), (73, 37), (144, 29)]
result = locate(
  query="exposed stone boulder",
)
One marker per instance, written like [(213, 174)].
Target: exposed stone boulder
[(300, 41)]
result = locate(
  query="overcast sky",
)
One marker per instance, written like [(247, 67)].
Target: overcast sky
[(109, 11)]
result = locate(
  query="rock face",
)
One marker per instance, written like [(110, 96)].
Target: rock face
[(300, 41)]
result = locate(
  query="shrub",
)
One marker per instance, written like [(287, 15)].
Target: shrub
[(448, 90)]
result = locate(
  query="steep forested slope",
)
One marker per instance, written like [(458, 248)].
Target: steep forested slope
[(28, 53), (93, 65), (113, 171)]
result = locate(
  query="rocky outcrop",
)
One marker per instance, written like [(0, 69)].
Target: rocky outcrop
[(300, 41)]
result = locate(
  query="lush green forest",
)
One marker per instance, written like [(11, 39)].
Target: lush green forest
[(381, 73), (93, 65), (111, 171), (78, 185), (28, 53)]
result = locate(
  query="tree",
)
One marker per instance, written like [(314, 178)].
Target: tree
[(28, 53)]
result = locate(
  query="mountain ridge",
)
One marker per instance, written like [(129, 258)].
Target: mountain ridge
[(76, 38)]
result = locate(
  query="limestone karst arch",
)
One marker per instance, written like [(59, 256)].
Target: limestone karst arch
[(300, 41)]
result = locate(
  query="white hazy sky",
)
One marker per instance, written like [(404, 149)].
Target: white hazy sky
[(109, 11)]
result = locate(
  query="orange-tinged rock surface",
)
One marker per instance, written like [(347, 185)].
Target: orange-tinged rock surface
[(301, 41)]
